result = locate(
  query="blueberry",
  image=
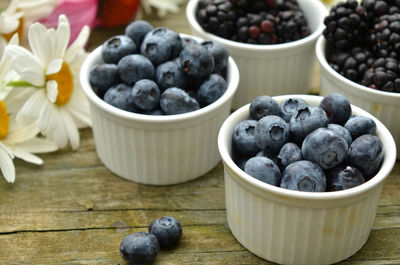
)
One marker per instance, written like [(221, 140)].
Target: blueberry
[(264, 169), (340, 130), (243, 137), (145, 94), (176, 101), (262, 106), (305, 121), (325, 148), (342, 178), (289, 153), (139, 248), (337, 108), (135, 67), (186, 41), (170, 74), (120, 96), (137, 30), (359, 125), (117, 47), (366, 154), (172, 37), (156, 49), (102, 77), (303, 175), (289, 107), (167, 230), (196, 61), (272, 132), (211, 89), (220, 54)]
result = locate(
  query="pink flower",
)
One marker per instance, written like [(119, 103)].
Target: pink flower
[(79, 13)]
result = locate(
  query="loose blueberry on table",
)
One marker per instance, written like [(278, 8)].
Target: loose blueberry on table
[(310, 151), (167, 230), (154, 71), (363, 42)]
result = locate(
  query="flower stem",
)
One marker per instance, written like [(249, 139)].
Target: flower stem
[(20, 83)]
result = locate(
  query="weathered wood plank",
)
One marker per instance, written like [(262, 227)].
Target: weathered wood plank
[(57, 221)]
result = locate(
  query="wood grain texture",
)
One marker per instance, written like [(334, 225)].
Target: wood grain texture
[(73, 210)]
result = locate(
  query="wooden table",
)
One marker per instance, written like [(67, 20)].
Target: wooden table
[(73, 210)]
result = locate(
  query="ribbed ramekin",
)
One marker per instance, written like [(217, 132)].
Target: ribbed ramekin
[(383, 105), (157, 150), (293, 227), (271, 69)]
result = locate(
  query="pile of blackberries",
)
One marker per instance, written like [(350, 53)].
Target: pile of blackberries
[(253, 21), (364, 42)]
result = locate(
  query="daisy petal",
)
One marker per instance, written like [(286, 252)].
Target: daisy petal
[(38, 145), (77, 46), (18, 134), (6, 165), (47, 118), (30, 111), (63, 35), (39, 43), (72, 131), (54, 66), (26, 156), (25, 64), (52, 90)]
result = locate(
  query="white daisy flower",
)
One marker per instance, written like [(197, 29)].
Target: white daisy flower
[(20, 13), (59, 104), (16, 140)]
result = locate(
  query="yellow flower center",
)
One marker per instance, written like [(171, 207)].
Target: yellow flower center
[(4, 120), (19, 30), (65, 84)]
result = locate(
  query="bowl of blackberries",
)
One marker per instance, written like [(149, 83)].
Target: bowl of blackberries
[(157, 100), (303, 176), (272, 41), (359, 54)]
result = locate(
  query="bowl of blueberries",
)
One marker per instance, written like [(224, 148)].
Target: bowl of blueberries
[(361, 58), (271, 41), (303, 176), (157, 100)]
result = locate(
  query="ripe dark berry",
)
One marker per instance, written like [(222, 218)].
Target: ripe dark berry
[(167, 230), (102, 77), (120, 96), (336, 107), (176, 101), (146, 94), (272, 132), (343, 178), (359, 125), (303, 175), (116, 48), (264, 169), (196, 61), (137, 30), (262, 106), (139, 248), (135, 67), (244, 138)]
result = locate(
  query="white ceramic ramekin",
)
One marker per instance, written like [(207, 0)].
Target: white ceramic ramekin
[(271, 69), (383, 105), (157, 150), (293, 227)]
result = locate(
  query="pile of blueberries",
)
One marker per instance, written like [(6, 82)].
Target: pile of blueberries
[(307, 148), (141, 248), (155, 71)]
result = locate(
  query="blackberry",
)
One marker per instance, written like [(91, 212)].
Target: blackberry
[(383, 75), (353, 63), (253, 21), (385, 36), (217, 17), (376, 8), (291, 26), (346, 25)]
